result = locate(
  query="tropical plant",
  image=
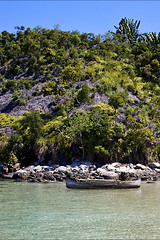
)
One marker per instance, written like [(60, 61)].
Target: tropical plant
[(152, 40), (128, 28)]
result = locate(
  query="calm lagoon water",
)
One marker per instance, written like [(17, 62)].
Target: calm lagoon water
[(51, 211)]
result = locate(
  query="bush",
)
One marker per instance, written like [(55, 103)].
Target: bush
[(15, 70), (25, 83), (72, 74), (101, 154), (49, 88), (107, 84), (15, 96), (83, 94), (11, 84), (116, 100), (22, 101)]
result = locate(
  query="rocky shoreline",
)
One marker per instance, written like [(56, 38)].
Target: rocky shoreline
[(81, 170)]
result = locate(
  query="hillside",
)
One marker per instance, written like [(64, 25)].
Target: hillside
[(66, 95)]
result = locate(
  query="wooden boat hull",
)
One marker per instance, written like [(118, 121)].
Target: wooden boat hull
[(101, 183)]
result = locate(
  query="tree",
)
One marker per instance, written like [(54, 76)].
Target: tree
[(83, 94), (152, 40), (139, 143), (128, 28), (88, 129), (116, 100), (31, 125)]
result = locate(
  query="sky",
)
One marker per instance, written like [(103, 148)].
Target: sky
[(96, 17)]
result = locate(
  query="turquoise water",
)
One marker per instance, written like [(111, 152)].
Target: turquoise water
[(51, 211)]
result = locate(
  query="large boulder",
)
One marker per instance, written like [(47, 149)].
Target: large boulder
[(49, 176), (84, 168), (116, 164), (122, 169), (157, 170), (62, 169), (110, 167), (141, 166), (21, 174), (154, 165), (29, 168), (37, 168), (107, 174)]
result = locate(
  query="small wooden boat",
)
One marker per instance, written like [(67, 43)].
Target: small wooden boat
[(101, 183)]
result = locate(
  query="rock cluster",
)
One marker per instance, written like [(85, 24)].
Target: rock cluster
[(82, 171)]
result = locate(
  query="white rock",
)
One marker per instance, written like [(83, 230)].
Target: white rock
[(111, 175), (83, 167), (107, 174), (123, 169), (131, 165), (101, 171), (105, 166), (154, 165), (29, 168), (21, 171), (157, 170), (62, 169), (37, 168), (141, 166), (116, 164), (45, 168), (75, 169), (50, 168), (111, 168), (132, 171)]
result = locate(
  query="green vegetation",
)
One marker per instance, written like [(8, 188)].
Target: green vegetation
[(83, 94), (122, 69)]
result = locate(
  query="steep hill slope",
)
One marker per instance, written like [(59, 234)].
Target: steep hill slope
[(66, 95)]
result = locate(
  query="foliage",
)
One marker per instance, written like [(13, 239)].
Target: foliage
[(72, 74), (22, 101), (151, 40), (129, 29), (49, 88), (31, 125), (83, 94), (6, 120), (115, 117), (116, 100)]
